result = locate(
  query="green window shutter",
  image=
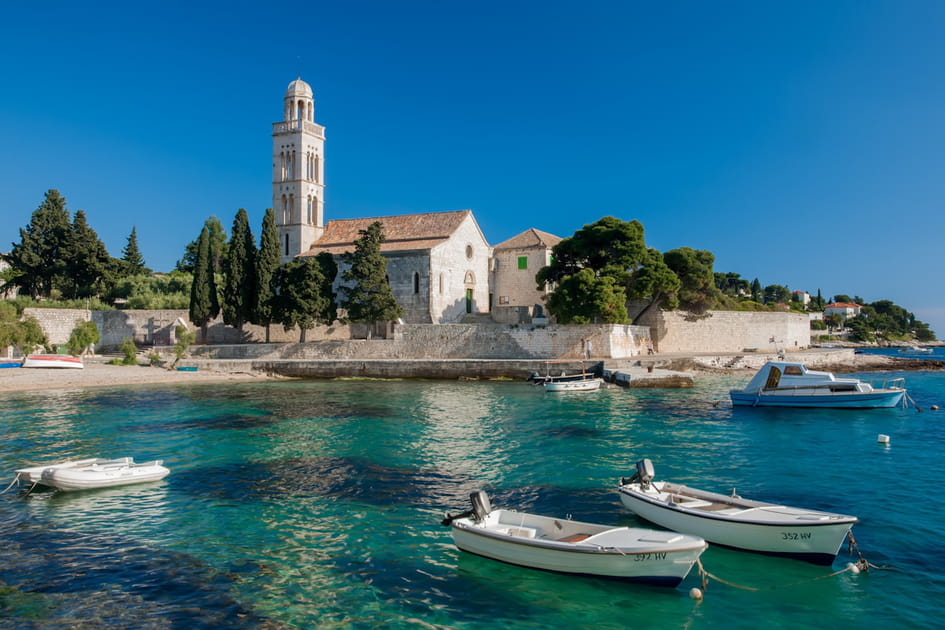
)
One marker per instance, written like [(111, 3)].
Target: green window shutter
[(523, 262)]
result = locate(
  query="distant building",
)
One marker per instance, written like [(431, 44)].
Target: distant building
[(801, 296), (514, 265), (439, 264), (845, 310)]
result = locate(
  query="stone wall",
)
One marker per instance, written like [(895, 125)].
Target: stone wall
[(455, 341), (58, 323), (727, 331)]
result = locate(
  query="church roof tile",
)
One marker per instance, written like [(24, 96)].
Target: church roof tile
[(401, 232)]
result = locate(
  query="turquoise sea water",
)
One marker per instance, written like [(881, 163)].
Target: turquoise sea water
[(317, 504)]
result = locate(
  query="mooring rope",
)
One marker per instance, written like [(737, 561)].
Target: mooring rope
[(12, 483), (861, 565)]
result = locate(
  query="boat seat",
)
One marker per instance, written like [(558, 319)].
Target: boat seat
[(573, 538)]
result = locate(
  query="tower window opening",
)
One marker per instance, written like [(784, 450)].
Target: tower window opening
[(286, 244), (416, 282)]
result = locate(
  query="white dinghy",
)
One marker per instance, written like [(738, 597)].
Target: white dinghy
[(735, 522), (552, 544), (88, 474)]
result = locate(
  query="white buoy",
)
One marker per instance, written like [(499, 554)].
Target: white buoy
[(695, 593), (934, 407), (883, 439), (852, 568)]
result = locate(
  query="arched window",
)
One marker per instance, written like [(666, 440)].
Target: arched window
[(416, 282), (292, 212), (282, 166), (309, 209), (285, 211), (315, 165)]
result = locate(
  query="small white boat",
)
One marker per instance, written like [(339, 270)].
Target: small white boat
[(52, 361), (588, 379), (915, 350), (88, 474), (732, 521), (786, 384), (565, 546)]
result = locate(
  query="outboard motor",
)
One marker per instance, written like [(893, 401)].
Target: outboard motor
[(533, 377), (644, 474), (480, 504)]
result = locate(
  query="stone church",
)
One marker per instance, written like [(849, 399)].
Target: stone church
[(439, 265)]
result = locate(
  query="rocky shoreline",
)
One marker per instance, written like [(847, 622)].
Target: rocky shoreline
[(649, 371)]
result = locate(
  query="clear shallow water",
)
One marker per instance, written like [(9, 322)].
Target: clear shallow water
[(317, 504)]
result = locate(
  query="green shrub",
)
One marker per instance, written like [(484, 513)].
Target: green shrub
[(83, 336), (184, 339), (129, 351)]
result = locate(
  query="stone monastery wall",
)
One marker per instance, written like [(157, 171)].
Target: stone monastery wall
[(728, 331), (721, 331)]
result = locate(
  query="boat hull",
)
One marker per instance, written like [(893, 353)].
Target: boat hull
[(817, 542), (876, 399), (89, 474), (662, 564), (585, 385), (52, 361)]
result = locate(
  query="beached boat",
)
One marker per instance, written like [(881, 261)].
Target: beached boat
[(786, 384), (52, 361), (732, 521), (88, 474), (565, 546), (588, 379)]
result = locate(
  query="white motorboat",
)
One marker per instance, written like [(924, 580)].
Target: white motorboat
[(565, 546), (88, 474), (732, 521), (915, 350), (786, 384), (52, 361), (588, 379)]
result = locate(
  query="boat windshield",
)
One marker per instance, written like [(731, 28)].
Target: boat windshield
[(774, 377)]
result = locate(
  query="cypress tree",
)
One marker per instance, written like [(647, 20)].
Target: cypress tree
[(131, 255), (369, 298), (240, 284), (267, 264), (204, 305)]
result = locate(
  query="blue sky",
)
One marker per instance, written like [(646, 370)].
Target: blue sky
[(801, 142)]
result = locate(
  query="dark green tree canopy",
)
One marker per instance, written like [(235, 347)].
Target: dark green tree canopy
[(583, 298), (204, 303), (305, 295), (697, 290), (37, 262), (86, 260), (132, 258), (267, 264), (218, 248), (608, 247), (368, 296), (239, 294)]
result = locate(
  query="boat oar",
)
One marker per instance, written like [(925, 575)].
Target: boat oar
[(449, 519), (912, 400)]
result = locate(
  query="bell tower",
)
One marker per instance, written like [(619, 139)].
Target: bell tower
[(298, 172)]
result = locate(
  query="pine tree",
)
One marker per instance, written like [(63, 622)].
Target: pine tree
[(85, 259), (240, 285), (267, 264), (36, 261), (369, 298), (204, 305), (131, 255), (305, 296)]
